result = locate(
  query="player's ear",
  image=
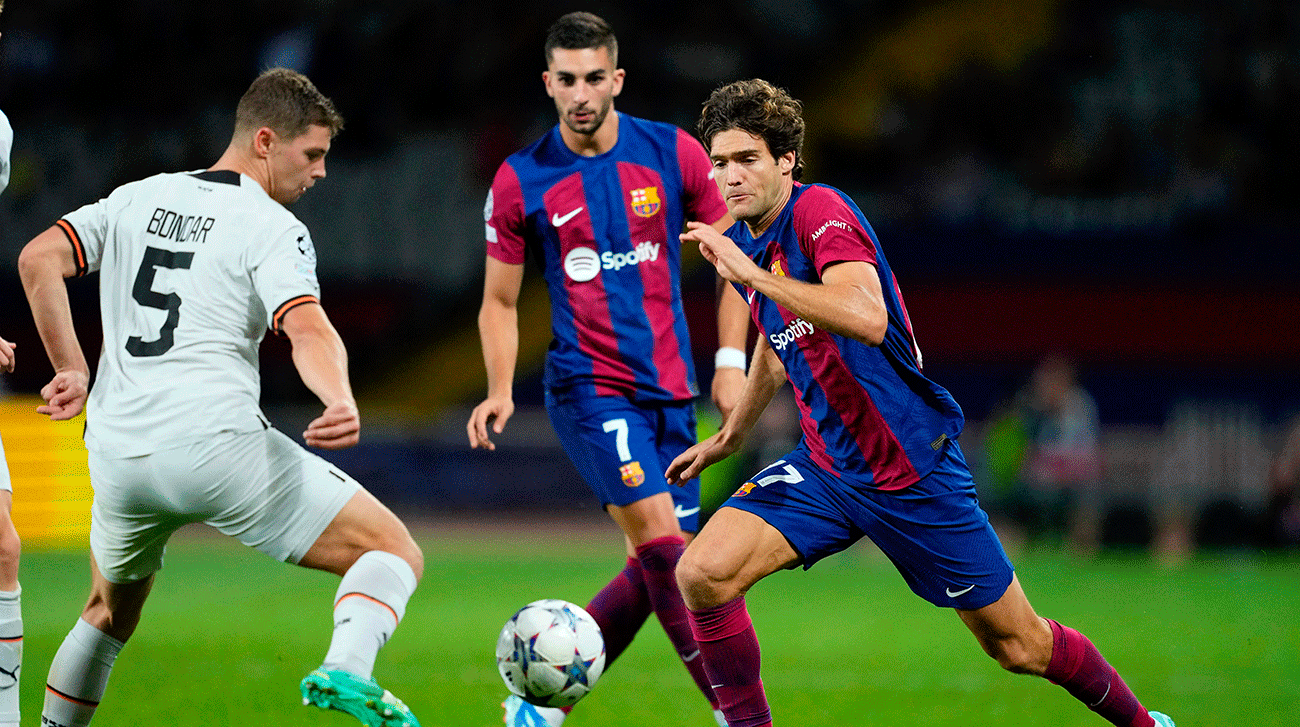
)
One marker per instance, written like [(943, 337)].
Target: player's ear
[(546, 81), (786, 162), (619, 73), (263, 139)]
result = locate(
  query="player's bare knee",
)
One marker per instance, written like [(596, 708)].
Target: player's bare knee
[(702, 583), (10, 550), (414, 556), (1016, 655)]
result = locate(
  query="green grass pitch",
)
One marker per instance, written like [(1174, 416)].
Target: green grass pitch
[(228, 633)]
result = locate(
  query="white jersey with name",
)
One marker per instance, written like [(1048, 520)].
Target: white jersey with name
[(6, 144), (193, 270)]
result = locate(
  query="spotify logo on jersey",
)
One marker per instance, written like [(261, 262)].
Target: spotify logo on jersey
[(582, 264)]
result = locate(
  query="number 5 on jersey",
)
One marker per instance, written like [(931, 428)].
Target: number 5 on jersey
[(145, 295)]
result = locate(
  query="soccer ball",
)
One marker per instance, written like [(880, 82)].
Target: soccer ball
[(551, 653)]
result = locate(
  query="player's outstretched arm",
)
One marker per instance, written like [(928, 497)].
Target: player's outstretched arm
[(322, 362), (766, 375), (43, 265), (7, 360), (498, 328)]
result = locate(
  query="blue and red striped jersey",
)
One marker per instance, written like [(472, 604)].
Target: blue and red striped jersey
[(604, 230), (867, 411)]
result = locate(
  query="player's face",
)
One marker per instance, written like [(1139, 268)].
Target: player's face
[(583, 83), (753, 183), (296, 164)]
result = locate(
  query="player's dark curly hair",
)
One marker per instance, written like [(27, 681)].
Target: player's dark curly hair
[(287, 102), (579, 30), (759, 108)]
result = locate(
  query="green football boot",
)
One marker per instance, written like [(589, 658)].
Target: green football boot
[(361, 698)]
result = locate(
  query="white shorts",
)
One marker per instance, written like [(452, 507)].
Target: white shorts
[(261, 488), (5, 484)]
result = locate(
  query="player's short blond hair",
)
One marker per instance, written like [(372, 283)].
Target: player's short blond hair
[(759, 108), (288, 103)]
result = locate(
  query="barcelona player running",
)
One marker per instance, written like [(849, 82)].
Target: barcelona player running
[(600, 200), (878, 456)]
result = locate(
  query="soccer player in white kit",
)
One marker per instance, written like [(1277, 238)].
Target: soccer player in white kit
[(194, 267), (11, 615)]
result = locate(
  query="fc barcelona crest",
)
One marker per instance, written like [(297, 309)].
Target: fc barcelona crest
[(645, 202), (632, 474), (776, 268)]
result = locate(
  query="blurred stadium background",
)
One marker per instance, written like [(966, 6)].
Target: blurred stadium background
[(1085, 203)]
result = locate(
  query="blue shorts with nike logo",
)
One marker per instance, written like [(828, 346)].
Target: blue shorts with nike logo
[(934, 531), (621, 448)]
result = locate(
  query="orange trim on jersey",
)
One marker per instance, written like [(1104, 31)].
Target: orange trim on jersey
[(11, 640), (368, 598), (285, 307), (78, 250), (74, 700)]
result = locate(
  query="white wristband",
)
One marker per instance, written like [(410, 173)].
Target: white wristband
[(729, 358)]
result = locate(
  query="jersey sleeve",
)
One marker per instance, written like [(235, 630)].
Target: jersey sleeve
[(285, 275), (503, 217), (87, 231), (703, 200), (6, 145), (828, 230)]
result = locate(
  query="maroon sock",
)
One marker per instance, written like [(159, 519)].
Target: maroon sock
[(729, 650), (620, 608), (658, 562), (1079, 667)]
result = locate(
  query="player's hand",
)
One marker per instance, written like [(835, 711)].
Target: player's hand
[(728, 383), (691, 463), (7, 356), (498, 409), (721, 251), (65, 395), (338, 427)]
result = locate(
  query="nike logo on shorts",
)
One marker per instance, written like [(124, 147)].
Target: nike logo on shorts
[(680, 513), (954, 594), (558, 220)]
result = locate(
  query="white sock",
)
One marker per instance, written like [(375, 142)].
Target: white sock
[(78, 676), (11, 654), (369, 604), (553, 716)]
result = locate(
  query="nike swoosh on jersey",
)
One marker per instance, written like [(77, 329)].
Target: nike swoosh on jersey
[(752, 293), (679, 512), (952, 594), (558, 220)]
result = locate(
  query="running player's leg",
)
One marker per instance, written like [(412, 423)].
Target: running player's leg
[(128, 536), (615, 445), (734, 551), (275, 496), (941, 542), (81, 667), (1024, 643), (11, 612), (370, 547), (380, 564)]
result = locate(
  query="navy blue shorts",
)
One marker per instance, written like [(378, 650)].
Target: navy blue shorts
[(622, 448), (934, 531)]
